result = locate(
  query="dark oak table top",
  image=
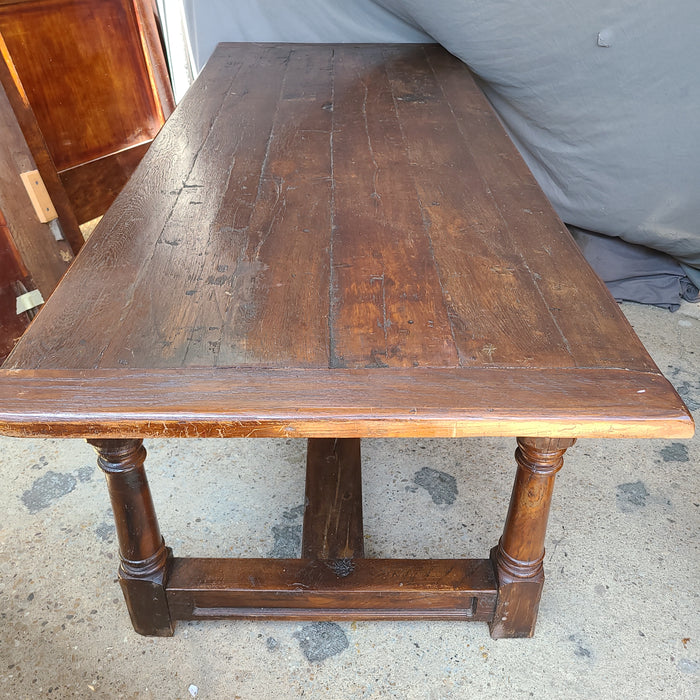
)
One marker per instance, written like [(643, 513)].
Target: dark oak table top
[(341, 241)]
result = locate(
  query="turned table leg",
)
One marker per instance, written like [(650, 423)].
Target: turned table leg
[(144, 556), (519, 555)]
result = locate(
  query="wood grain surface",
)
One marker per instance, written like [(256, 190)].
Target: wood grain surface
[(340, 403), (356, 216)]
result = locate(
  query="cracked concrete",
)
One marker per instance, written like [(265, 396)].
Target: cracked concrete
[(620, 612)]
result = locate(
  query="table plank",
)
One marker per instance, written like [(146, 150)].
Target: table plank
[(281, 319), (194, 254), (484, 277), (101, 287), (566, 293), (388, 308)]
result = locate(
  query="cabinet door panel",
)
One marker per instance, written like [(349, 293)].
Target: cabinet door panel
[(93, 74)]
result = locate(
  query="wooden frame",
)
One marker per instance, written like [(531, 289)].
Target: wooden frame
[(333, 580)]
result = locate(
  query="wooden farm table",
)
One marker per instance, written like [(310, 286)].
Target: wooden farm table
[(333, 242)]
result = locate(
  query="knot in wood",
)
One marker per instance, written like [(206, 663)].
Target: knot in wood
[(341, 567)]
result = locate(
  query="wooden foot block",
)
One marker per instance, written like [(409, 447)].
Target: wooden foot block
[(147, 603), (517, 605)]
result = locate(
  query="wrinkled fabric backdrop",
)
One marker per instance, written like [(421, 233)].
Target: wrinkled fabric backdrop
[(602, 99)]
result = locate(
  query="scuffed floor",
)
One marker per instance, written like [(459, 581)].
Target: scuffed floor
[(620, 615)]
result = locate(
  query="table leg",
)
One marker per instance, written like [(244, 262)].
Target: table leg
[(520, 552), (144, 557), (333, 514)]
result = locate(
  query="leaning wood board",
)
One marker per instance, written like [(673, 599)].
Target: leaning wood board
[(333, 241)]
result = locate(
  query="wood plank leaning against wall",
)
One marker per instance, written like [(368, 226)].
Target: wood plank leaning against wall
[(32, 260)]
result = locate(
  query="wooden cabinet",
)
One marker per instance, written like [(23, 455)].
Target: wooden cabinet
[(94, 74)]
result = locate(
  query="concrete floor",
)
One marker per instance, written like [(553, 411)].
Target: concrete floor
[(620, 616)]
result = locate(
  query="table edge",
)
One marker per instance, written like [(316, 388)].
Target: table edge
[(418, 402)]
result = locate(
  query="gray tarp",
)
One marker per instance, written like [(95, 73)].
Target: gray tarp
[(635, 272), (602, 98)]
